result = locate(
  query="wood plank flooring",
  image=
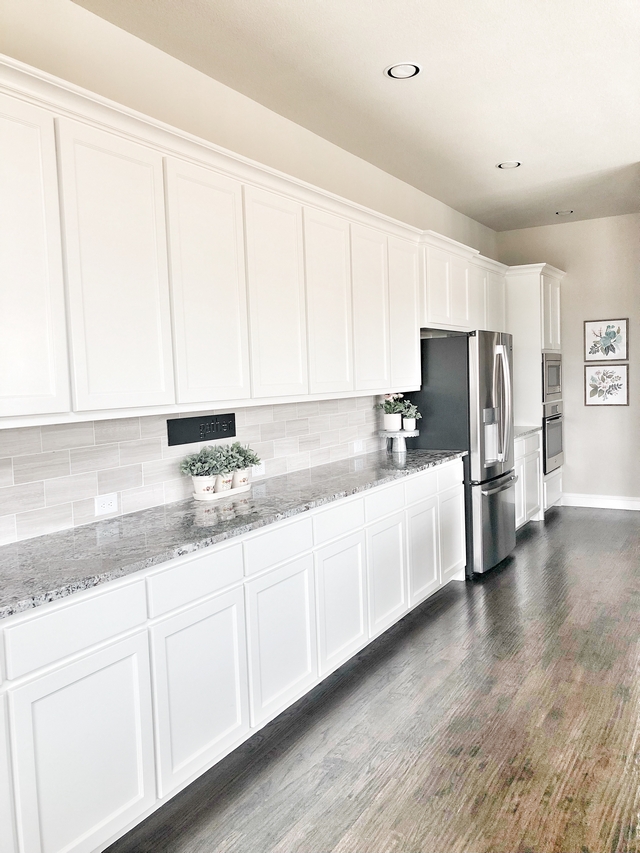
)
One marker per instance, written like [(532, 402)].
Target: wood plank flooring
[(502, 716)]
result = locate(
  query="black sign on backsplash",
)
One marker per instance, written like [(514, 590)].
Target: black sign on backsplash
[(205, 428)]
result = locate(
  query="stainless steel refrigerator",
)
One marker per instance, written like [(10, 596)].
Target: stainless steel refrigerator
[(466, 402)]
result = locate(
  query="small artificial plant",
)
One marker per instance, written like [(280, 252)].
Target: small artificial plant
[(241, 457), (219, 459), (410, 410), (393, 404)]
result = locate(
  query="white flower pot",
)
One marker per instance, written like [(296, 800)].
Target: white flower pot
[(204, 485), (223, 482), (240, 478), (409, 424), (393, 423)]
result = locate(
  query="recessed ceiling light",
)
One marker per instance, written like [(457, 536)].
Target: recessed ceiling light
[(509, 164), (402, 71), (564, 212)]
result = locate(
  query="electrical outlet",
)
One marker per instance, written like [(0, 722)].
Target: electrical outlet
[(358, 446), (106, 504), (258, 470)]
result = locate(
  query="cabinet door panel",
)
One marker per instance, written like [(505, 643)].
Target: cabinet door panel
[(532, 484), (370, 308), (423, 550), (438, 270), (477, 298), (496, 321), (201, 687), (34, 374), (7, 834), (277, 310), (404, 325), (83, 749), (282, 637), (551, 313), (114, 231), (386, 573), (341, 591), (521, 507), (452, 526), (459, 300), (328, 277), (206, 250)]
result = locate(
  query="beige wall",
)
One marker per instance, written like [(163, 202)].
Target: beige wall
[(66, 40), (602, 260)]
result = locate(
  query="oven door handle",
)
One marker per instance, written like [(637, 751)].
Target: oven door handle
[(554, 418), (501, 488)]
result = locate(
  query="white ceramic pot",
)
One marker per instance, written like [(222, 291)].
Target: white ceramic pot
[(223, 482), (204, 485), (409, 424), (240, 478), (393, 423)]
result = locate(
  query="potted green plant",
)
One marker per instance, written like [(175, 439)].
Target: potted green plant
[(222, 464), (410, 415), (242, 458), (392, 408), (201, 466)]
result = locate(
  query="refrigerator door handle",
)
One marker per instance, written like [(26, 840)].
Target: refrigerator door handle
[(506, 412), (510, 482)]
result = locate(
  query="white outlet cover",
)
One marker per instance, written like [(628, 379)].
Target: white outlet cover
[(106, 504), (358, 446), (258, 470)]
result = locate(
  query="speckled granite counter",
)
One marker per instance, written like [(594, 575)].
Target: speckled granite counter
[(50, 567), (521, 431)]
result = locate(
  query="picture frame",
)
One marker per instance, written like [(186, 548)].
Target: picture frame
[(606, 386), (606, 340)]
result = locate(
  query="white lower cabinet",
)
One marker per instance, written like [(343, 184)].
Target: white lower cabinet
[(281, 637), (528, 468), (7, 828), (532, 478), (452, 540), (423, 550), (200, 686), (521, 512), (386, 573), (341, 600), (82, 739)]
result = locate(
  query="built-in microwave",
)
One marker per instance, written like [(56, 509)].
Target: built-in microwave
[(551, 377)]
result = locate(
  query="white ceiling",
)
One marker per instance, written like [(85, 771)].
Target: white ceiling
[(553, 83)]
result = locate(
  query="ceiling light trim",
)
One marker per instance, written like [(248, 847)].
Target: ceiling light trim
[(509, 164), (400, 68)]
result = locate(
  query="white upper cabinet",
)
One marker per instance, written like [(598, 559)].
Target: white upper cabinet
[(277, 308), (448, 295), (495, 302), (551, 312), (477, 297), (487, 294), (459, 294), (33, 351), (370, 308), (438, 286), (404, 323), (114, 233), (208, 288), (328, 272)]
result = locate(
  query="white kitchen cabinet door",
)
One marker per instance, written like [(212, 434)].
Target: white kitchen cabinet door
[(328, 274), (532, 480), (495, 299), (551, 313), (34, 373), (438, 286), (459, 298), (423, 550), (386, 573), (117, 277), (370, 308), (404, 323), (200, 686), (282, 637), (82, 738), (452, 532), (477, 297), (277, 311), (521, 507), (7, 826), (340, 575), (208, 286)]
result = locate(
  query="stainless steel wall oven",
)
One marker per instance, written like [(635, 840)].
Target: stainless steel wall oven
[(552, 437)]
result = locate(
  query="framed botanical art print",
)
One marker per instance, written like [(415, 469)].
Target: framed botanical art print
[(606, 386), (606, 340)]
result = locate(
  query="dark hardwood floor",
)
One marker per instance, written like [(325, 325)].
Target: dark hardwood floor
[(502, 716)]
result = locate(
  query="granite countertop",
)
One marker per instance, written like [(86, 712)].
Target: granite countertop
[(50, 567), (521, 431)]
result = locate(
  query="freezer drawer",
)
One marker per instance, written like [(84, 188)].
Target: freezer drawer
[(493, 508)]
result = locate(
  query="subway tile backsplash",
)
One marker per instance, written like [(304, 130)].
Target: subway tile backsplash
[(50, 475)]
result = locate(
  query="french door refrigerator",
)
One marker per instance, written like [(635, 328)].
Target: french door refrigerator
[(466, 404)]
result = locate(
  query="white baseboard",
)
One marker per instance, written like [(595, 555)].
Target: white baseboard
[(600, 501)]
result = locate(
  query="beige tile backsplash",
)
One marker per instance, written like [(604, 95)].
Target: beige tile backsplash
[(50, 475)]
